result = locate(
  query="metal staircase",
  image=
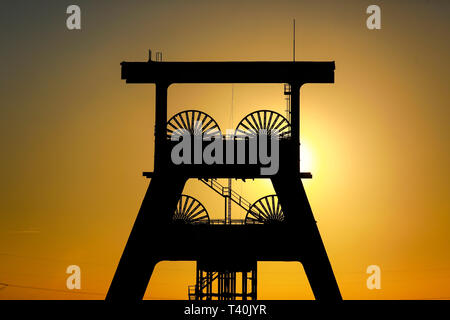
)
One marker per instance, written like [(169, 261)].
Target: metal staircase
[(227, 192)]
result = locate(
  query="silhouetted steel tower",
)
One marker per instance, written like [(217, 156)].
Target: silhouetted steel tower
[(173, 226)]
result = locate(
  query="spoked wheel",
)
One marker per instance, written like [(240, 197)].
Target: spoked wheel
[(195, 122), (190, 211), (266, 120), (266, 210)]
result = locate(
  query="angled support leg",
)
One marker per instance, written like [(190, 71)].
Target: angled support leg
[(312, 253), (145, 246)]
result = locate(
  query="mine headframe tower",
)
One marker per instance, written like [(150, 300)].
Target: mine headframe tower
[(171, 226)]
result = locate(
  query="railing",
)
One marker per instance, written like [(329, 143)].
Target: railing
[(227, 192), (222, 221), (236, 198), (191, 292)]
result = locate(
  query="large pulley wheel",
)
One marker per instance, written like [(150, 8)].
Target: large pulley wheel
[(190, 211), (266, 121), (193, 122), (266, 210)]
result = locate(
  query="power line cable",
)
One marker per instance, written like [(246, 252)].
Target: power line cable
[(10, 285)]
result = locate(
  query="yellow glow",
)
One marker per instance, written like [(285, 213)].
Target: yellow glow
[(306, 158), (76, 138)]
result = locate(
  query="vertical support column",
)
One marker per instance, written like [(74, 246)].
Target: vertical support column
[(254, 284), (226, 209), (202, 280), (234, 286), (229, 203), (224, 286), (160, 124), (207, 285), (244, 285), (197, 291), (210, 285), (295, 122)]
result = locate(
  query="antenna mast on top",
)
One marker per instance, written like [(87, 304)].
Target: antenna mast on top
[(228, 199), (293, 45)]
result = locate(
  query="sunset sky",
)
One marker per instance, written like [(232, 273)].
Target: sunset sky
[(75, 138)]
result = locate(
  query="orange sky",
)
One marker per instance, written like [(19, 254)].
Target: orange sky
[(75, 138)]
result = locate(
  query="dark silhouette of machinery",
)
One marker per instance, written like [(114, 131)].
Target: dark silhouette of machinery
[(170, 225)]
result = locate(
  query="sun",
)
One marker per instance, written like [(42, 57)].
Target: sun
[(306, 158)]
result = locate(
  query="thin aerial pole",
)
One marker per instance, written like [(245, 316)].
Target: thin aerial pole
[(293, 46), (229, 179)]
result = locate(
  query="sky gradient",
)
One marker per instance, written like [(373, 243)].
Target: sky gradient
[(75, 138)]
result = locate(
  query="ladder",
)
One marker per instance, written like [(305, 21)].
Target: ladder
[(287, 93)]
